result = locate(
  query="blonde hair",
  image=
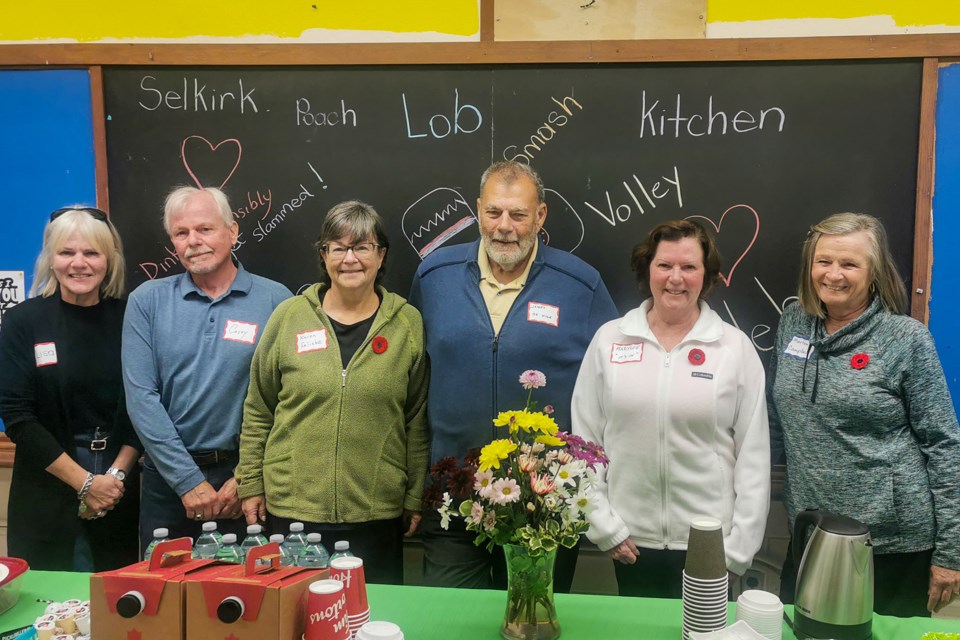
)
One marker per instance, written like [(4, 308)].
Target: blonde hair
[(886, 282), (101, 235)]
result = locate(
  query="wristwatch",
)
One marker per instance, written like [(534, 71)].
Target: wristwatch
[(117, 473)]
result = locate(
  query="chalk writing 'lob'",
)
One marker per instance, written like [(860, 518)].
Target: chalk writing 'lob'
[(440, 125), (195, 97)]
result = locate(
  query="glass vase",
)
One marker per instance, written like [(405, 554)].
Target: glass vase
[(531, 614)]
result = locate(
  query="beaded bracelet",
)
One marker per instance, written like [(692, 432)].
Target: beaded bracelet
[(83, 493)]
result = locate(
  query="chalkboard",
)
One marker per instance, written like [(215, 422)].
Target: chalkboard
[(755, 151)]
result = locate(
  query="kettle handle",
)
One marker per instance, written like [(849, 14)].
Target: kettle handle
[(805, 519)]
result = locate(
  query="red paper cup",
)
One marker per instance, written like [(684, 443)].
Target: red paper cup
[(349, 571), (327, 612)]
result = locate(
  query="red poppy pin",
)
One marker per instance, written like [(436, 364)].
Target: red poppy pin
[(379, 345), (697, 357), (859, 361)]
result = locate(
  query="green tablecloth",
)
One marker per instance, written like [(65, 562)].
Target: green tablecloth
[(426, 613)]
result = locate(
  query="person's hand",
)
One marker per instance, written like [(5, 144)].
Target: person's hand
[(102, 496), (255, 509), (201, 503), (229, 501), (625, 553), (412, 519), (944, 587)]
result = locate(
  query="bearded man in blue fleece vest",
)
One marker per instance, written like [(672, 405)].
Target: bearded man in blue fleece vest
[(491, 310)]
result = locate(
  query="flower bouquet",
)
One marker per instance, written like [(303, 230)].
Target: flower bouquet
[(529, 492)]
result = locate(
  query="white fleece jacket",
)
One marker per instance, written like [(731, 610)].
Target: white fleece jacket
[(685, 439)]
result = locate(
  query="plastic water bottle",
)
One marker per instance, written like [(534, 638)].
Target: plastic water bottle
[(253, 540), (216, 534), (206, 546), (341, 549), (230, 550), (296, 540), (314, 555), (159, 535), (286, 560)]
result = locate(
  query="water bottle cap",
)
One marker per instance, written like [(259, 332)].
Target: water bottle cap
[(254, 529), (162, 532), (229, 538), (341, 545), (313, 538), (209, 526), (277, 537), (296, 527)]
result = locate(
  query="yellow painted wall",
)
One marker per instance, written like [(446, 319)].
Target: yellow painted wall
[(124, 19), (903, 12)]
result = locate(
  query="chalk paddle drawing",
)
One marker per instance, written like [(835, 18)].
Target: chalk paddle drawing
[(741, 210), (435, 218), (204, 154)]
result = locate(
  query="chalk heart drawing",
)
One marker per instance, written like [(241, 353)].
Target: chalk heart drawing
[(204, 146), (739, 210)]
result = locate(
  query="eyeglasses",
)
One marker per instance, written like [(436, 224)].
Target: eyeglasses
[(361, 250), (97, 214)]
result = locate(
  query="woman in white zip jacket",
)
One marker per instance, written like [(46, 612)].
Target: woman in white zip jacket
[(676, 398)]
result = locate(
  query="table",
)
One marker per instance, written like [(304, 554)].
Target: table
[(426, 613)]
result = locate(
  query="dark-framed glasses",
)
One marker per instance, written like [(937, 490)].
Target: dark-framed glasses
[(361, 250), (97, 214)]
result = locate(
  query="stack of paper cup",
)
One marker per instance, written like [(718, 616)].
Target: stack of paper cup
[(762, 611), (378, 630), (326, 612), (705, 580), (349, 571)]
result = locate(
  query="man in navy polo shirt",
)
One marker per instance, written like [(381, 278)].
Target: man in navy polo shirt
[(491, 310), (187, 344)]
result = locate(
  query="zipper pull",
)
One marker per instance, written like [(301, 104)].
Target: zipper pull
[(496, 342), (344, 377)]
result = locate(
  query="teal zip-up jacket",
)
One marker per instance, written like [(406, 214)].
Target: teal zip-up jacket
[(868, 429), (327, 444)]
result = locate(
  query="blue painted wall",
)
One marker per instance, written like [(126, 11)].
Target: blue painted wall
[(944, 304), (46, 157)]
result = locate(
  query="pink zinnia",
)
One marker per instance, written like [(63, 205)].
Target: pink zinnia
[(505, 491), (533, 379)]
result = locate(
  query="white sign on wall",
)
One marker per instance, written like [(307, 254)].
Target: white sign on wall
[(12, 291)]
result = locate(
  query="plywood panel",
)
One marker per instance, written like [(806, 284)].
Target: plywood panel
[(599, 20)]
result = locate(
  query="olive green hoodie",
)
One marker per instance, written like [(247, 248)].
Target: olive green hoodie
[(327, 444)]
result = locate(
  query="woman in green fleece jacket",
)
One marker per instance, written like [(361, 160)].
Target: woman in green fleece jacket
[(334, 424), (867, 425)]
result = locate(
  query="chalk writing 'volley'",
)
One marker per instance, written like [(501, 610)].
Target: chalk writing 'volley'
[(658, 120), (196, 97)]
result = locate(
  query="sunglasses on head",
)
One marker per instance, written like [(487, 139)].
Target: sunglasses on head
[(97, 214)]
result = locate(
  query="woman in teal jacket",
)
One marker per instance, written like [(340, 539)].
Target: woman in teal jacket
[(334, 428)]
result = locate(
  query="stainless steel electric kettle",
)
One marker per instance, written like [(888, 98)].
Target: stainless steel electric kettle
[(834, 596)]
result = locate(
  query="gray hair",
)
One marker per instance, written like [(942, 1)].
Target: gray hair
[(886, 282), (510, 171), (355, 220), (101, 235), (177, 200)]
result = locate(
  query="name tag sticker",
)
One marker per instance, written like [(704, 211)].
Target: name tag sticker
[(799, 347), (237, 331), (312, 341), (620, 353), (543, 313), (45, 353)]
